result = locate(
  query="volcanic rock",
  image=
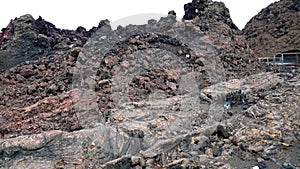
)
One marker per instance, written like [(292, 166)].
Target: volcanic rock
[(147, 96), (214, 20), (274, 29), (20, 41), (27, 39)]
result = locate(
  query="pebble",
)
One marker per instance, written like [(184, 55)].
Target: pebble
[(185, 155), (125, 64), (216, 151), (194, 153), (288, 166), (20, 78), (222, 131), (227, 141), (174, 156), (265, 157), (52, 88), (171, 85), (271, 150), (209, 152), (256, 148), (135, 160), (31, 89), (143, 162), (41, 67), (260, 160), (261, 165)]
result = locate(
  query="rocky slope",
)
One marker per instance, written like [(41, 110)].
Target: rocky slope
[(147, 96), (213, 18), (275, 29), (27, 39)]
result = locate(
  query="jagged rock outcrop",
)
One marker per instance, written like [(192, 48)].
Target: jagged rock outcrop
[(275, 29), (27, 39), (213, 18), (21, 41)]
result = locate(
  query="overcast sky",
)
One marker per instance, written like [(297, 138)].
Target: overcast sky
[(69, 14)]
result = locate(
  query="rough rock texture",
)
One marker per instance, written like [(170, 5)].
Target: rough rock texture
[(149, 96), (27, 39), (275, 29), (213, 19), (31, 84)]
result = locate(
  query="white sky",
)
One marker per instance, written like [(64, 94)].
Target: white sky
[(69, 14)]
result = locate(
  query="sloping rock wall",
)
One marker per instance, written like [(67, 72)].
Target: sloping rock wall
[(275, 29)]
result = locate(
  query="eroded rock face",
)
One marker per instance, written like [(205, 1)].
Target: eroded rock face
[(213, 18), (210, 11), (20, 41), (275, 29), (26, 39)]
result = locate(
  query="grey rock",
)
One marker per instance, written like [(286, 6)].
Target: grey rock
[(256, 148), (288, 166)]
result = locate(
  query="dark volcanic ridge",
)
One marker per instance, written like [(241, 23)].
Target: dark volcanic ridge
[(27, 39)]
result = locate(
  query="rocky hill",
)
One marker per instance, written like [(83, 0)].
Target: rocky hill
[(275, 29), (27, 39), (213, 19), (160, 95)]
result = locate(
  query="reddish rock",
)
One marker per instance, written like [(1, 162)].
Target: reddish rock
[(274, 29)]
